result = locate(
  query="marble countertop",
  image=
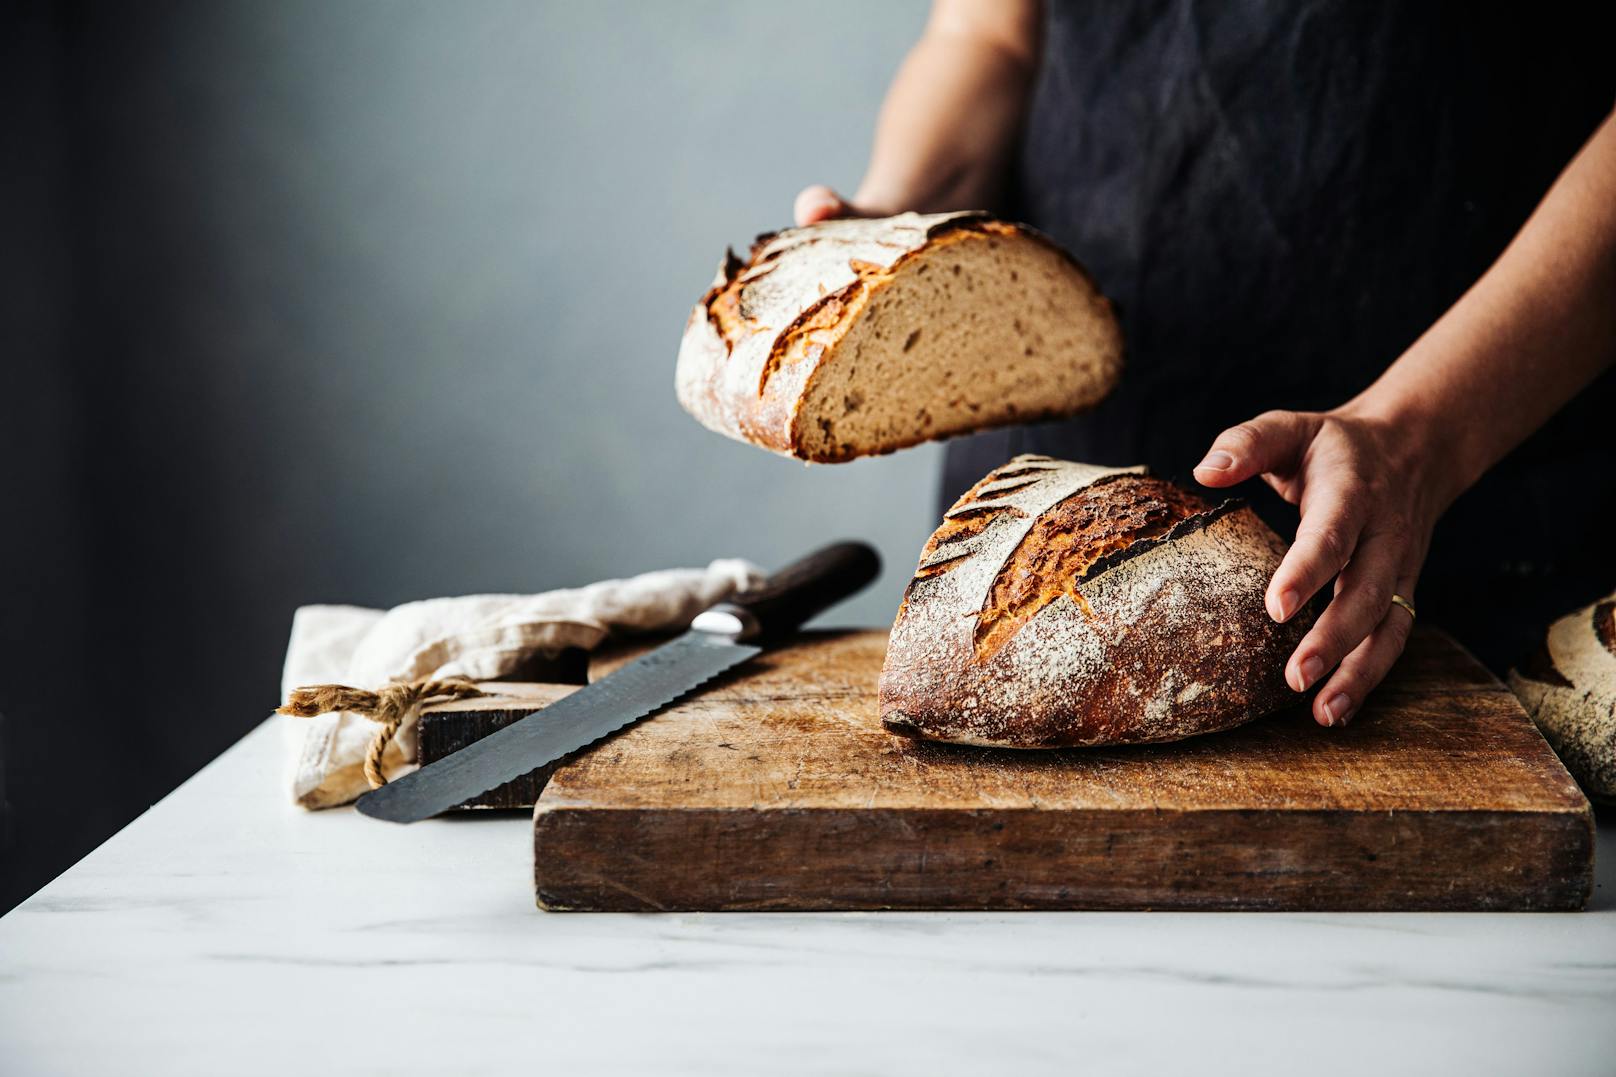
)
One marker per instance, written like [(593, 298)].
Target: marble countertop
[(227, 932)]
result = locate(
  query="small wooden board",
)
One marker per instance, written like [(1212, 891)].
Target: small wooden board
[(445, 728), (777, 788)]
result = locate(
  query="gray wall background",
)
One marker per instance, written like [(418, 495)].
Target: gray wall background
[(365, 302)]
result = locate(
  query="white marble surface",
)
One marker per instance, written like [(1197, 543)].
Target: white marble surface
[(226, 932)]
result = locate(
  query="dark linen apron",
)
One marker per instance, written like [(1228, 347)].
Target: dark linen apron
[(1280, 197)]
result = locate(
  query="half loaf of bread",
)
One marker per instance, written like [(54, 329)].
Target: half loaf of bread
[(855, 337), (1063, 604), (1569, 689)]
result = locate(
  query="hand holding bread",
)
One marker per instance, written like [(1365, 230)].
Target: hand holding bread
[(1369, 501), (855, 336)]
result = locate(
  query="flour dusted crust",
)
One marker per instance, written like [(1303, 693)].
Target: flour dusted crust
[(848, 338), (1158, 633), (1569, 689)]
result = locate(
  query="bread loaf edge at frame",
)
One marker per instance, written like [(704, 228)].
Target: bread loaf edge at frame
[(1569, 688)]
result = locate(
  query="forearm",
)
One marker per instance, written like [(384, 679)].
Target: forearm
[(1527, 337), (951, 118)]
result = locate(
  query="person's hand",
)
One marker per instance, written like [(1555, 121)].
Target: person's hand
[(1373, 475), (820, 203), (1370, 494)]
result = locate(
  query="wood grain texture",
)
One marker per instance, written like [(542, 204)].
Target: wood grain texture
[(777, 789)]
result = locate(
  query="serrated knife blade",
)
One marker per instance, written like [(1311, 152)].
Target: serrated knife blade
[(635, 691)]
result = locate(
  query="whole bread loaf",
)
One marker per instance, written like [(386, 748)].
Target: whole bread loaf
[(1569, 689), (849, 338), (1063, 604)]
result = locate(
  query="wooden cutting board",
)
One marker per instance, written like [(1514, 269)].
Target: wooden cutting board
[(777, 788)]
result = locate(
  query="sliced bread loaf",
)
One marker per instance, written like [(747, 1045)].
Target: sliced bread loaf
[(855, 337), (1063, 604)]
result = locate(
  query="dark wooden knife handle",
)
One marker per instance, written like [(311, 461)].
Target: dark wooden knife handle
[(797, 592)]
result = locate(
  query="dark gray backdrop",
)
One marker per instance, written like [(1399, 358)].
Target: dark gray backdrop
[(365, 302)]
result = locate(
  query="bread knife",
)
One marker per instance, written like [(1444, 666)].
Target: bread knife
[(719, 639)]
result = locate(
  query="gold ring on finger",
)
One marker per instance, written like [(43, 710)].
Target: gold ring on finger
[(1399, 600)]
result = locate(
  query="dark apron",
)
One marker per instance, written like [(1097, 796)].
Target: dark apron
[(1280, 197)]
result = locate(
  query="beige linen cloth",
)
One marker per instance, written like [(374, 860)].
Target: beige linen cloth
[(481, 637)]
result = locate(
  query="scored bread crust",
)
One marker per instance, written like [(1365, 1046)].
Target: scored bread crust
[(1569, 688), (1162, 636), (756, 340)]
